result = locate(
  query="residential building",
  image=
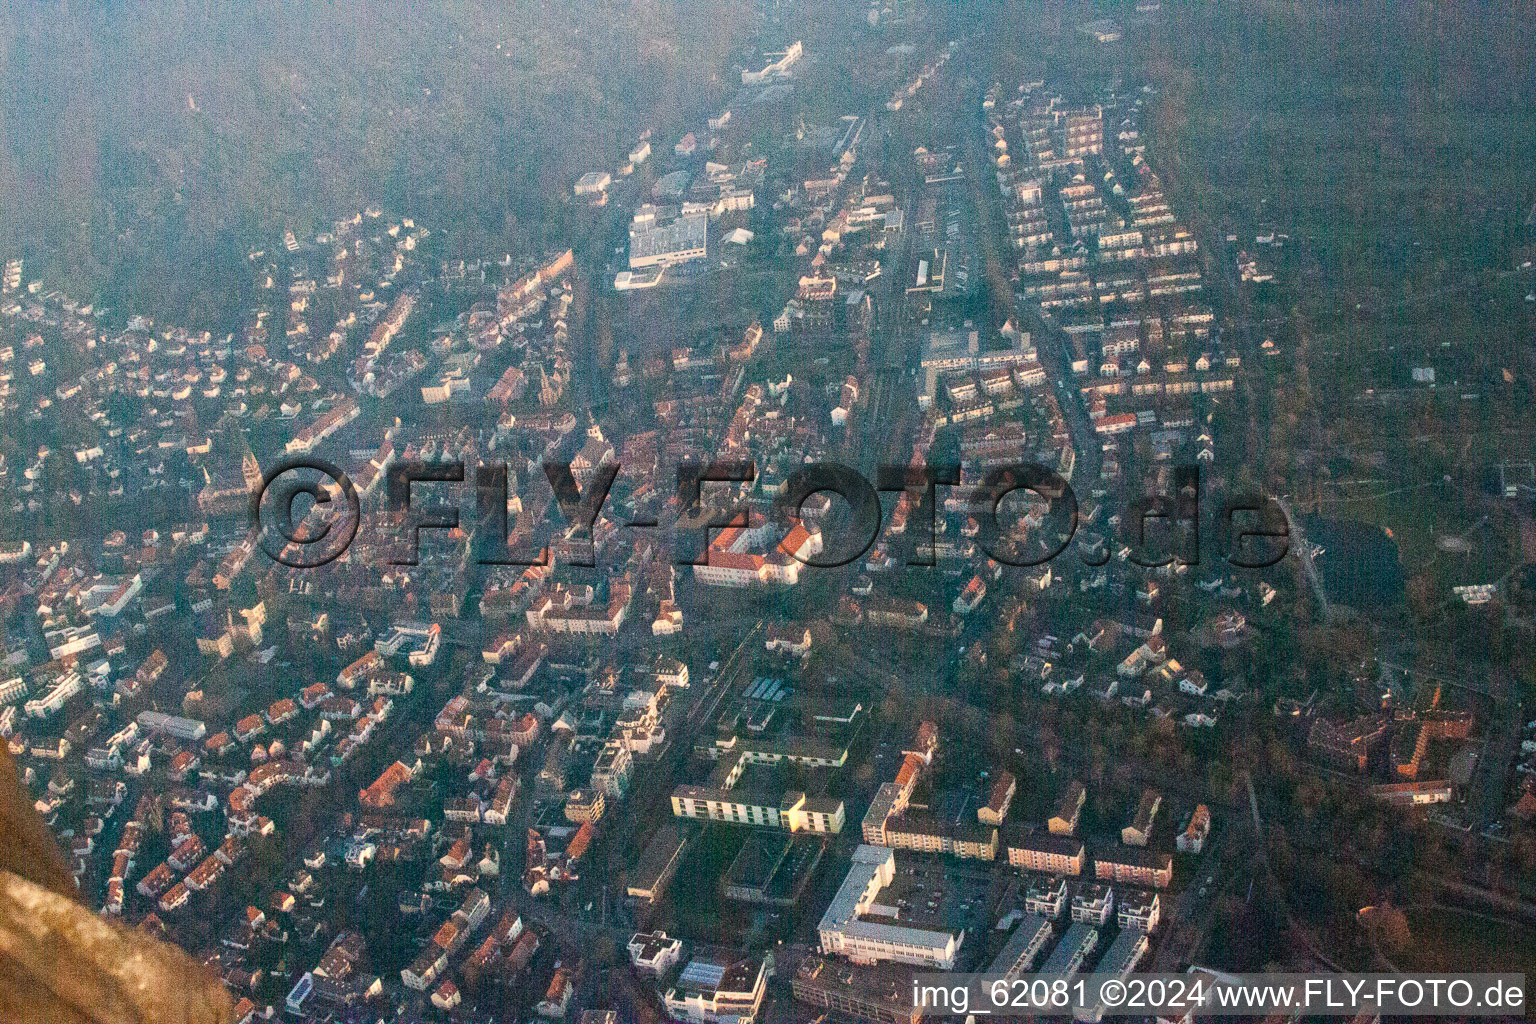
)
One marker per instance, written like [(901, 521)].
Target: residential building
[(999, 799), (1139, 829), (1138, 909), (12, 691), (1068, 810), (611, 772), (1093, 904), (1134, 866), (188, 729), (1054, 854), (63, 690), (1073, 950), (1122, 957), (585, 805), (1192, 839), (1024, 946), (1046, 897), (927, 833)]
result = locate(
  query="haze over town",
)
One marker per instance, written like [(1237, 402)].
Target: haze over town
[(683, 760)]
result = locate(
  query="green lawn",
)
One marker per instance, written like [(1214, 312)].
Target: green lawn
[(1453, 940)]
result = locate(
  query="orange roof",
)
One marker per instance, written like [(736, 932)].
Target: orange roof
[(579, 842), (795, 539), (382, 791)]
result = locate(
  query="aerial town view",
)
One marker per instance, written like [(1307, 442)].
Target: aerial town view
[(765, 511)]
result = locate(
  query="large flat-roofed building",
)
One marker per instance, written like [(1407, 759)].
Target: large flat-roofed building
[(776, 69), (772, 868), (593, 182), (719, 989), (930, 273), (172, 725), (794, 811), (721, 799), (658, 864), (1024, 946), (679, 240), (1348, 744), (1073, 950), (856, 925), (950, 351), (882, 994), (1414, 794), (810, 751), (1119, 961)]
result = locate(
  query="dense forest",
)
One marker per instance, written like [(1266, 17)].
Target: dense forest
[(1388, 134), (145, 145)]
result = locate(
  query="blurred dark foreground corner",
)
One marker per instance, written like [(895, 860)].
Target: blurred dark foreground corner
[(62, 964)]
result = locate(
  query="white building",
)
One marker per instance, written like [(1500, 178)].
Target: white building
[(12, 690), (844, 931), (172, 725), (680, 240), (420, 641), (593, 182), (612, 770), (719, 990), (732, 562), (795, 812), (54, 700), (71, 640), (776, 69), (654, 952)]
